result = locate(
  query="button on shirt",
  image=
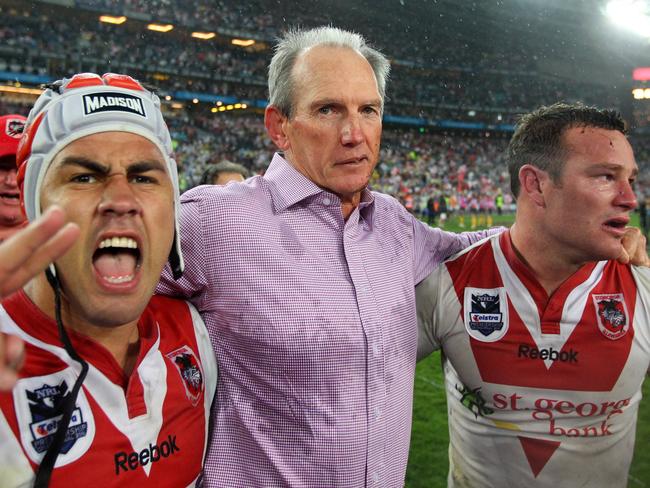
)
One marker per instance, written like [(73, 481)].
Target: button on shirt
[(313, 323)]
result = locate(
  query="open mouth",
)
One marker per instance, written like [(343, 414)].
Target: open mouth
[(617, 225), (11, 198), (117, 259)]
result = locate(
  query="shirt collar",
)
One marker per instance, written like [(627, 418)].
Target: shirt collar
[(290, 186)]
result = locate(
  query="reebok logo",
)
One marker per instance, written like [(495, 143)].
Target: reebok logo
[(152, 454), (528, 352), (112, 102)]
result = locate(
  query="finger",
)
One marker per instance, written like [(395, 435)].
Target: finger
[(40, 257), (8, 378), (24, 243), (8, 375), (15, 348), (624, 257)]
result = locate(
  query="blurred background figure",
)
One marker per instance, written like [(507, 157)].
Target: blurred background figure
[(224, 172), (11, 216)]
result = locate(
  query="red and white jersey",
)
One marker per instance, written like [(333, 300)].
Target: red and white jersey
[(147, 429), (541, 391)]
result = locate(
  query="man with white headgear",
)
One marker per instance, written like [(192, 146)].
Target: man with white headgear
[(117, 386)]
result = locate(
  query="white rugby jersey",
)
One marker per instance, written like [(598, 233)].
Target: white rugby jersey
[(147, 429), (541, 391)]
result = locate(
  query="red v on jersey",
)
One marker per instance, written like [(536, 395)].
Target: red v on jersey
[(579, 339), (538, 452)]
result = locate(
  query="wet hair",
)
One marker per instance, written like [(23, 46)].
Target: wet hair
[(213, 171), (296, 41), (538, 137)]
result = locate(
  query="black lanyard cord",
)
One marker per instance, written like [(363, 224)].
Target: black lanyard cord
[(67, 405)]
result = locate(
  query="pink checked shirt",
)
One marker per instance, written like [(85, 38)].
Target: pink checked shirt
[(313, 324)]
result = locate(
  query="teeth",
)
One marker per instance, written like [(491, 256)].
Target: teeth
[(119, 242), (119, 279)]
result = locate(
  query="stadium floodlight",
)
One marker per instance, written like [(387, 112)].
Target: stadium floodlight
[(243, 42), (18, 89), (219, 103), (112, 19), (214, 110), (168, 97), (160, 27), (243, 105), (203, 35), (177, 105), (195, 100), (633, 15)]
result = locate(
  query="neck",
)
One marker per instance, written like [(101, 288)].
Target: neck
[(121, 341), (348, 204), (550, 266)]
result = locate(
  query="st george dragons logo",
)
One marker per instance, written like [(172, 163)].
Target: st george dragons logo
[(611, 312), (14, 128), (190, 370)]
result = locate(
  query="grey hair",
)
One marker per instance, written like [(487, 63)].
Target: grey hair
[(296, 41)]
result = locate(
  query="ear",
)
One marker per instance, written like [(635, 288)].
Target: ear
[(533, 181), (275, 121)]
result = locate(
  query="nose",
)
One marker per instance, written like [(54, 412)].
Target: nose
[(119, 198), (351, 133), (10, 178), (626, 197)]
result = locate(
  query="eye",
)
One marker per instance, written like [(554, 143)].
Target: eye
[(83, 178), (370, 110), (143, 179), (325, 110), (607, 177)]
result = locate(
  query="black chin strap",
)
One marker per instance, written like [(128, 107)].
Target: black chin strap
[(66, 404)]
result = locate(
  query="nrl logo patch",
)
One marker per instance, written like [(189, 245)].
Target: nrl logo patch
[(43, 405), (486, 313), (612, 316), (190, 370), (38, 412), (112, 102), (14, 128)]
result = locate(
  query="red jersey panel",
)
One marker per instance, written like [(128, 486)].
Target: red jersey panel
[(147, 429), (543, 391)]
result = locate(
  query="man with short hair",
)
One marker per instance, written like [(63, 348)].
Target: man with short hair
[(117, 386), (306, 280), (11, 217), (545, 337), (223, 173)]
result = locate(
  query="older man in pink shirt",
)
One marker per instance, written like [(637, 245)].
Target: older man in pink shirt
[(306, 280)]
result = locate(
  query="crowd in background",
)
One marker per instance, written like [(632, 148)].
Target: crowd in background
[(431, 172), (465, 81)]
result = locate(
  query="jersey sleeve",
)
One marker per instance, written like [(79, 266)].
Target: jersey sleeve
[(642, 312), (426, 298)]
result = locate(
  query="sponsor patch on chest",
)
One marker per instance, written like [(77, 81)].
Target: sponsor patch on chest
[(486, 313), (611, 313)]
